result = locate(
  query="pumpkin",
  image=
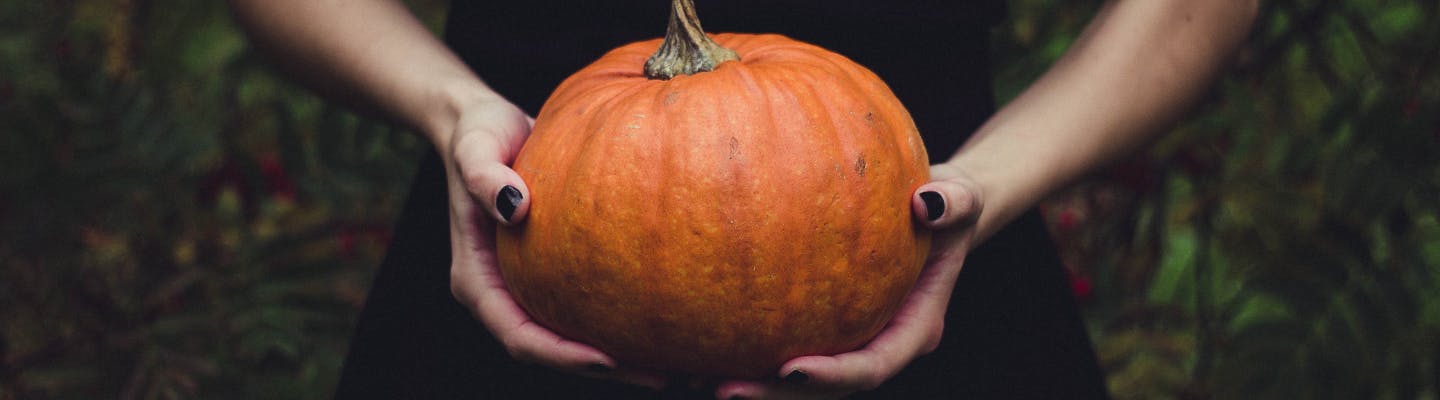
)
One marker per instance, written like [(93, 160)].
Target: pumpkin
[(718, 212)]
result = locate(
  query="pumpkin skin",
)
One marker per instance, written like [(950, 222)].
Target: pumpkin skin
[(719, 223)]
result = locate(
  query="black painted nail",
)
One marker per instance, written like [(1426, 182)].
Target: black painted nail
[(797, 377), (934, 204), (506, 202), (599, 368), (737, 397)]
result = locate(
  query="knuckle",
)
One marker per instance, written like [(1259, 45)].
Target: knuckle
[(962, 203), (933, 338), (457, 289), (974, 200), (930, 346), (457, 293), (474, 180)]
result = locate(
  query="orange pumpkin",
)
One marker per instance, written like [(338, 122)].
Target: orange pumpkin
[(718, 222)]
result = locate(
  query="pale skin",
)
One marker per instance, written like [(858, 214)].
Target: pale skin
[(1136, 68)]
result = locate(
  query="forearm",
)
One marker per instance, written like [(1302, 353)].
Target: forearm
[(1137, 67), (371, 54)]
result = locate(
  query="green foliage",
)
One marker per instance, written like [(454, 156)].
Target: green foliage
[(1284, 231), (176, 223)]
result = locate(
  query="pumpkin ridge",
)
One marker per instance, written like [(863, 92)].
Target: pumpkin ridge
[(753, 47), (821, 99), (763, 176), (807, 139), (744, 73), (604, 102), (761, 293), (593, 187), (616, 66), (882, 176), (759, 48), (831, 110), (818, 137)]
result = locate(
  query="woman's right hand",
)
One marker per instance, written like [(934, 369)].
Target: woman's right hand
[(487, 133)]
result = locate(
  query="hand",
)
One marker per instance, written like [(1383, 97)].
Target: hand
[(950, 204), (483, 190)]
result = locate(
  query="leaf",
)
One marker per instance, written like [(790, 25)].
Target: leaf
[(1396, 20), (1173, 278)]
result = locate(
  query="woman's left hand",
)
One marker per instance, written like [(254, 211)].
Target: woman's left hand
[(949, 204)]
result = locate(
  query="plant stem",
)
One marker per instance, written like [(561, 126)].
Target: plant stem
[(686, 49)]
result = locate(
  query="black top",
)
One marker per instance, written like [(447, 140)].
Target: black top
[(1012, 330)]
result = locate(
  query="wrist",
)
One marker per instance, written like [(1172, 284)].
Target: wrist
[(447, 105), (1006, 189)]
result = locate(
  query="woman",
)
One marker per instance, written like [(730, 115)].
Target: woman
[(1001, 327)]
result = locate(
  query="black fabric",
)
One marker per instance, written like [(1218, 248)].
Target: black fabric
[(1013, 330)]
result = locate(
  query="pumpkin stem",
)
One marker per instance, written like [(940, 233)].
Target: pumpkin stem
[(686, 49)]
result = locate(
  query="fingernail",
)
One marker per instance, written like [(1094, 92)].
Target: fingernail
[(506, 202), (599, 368), (737, 397), (934, 205), (797, 377)]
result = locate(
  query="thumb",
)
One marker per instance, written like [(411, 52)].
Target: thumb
[(491, 183), (945, 203), (500, 190)]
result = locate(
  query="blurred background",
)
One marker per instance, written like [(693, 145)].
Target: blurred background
[(178, 222)]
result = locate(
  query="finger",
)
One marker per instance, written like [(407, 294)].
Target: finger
[(863, 369), (523, 338), (476, 284), (945, 203), (914, 331), (482, 153), (835, 376), (529, 342), (497, 188)]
